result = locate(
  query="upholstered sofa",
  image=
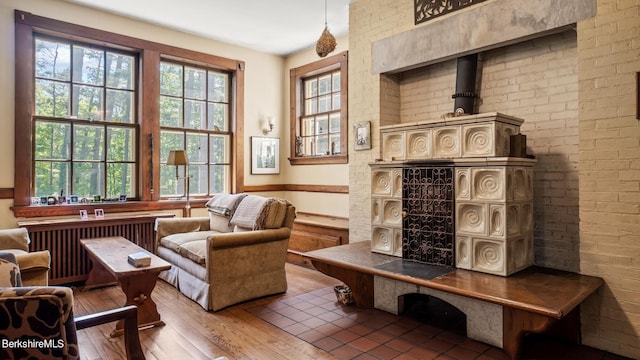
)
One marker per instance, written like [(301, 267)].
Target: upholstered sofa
[(235, 254)]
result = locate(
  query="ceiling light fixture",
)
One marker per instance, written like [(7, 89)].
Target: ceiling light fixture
[(327, 42)]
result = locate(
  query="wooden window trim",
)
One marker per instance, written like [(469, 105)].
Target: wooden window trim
[(150, 53), (296, 77)]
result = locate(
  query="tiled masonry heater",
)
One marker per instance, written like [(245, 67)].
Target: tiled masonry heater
[(452, 192)]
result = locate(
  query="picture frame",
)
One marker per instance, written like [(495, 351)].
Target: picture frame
[(84, 215), (362, 135), (265, 155), (99, 213), (73, 199)]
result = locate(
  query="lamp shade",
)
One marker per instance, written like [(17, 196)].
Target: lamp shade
[(177, 157)]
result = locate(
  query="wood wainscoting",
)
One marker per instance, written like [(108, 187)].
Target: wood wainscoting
[(313, 232), (69, 261)]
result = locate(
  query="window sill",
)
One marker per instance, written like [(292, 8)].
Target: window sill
[(108, 207), (319, 160)]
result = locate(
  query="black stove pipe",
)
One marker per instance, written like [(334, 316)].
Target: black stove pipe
[(465, 95)]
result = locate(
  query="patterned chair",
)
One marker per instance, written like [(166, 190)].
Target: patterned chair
[(38, 322)]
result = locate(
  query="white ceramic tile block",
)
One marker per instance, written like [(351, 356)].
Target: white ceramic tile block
[(478, 140), (463, 252), (489, 256), (488, 184), (513, 220), (376, 211), (471, 219), (446, 142), (382, 240), (526, 218), (392, 212), (397, 242), (419, 144), (381, 182), (463, 180), (522, 183), (396, 176), (497, 221), (393, 146)]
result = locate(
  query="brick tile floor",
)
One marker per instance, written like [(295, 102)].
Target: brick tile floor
[(361, 334)]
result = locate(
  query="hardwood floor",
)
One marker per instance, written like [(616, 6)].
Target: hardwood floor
[(192, 333)]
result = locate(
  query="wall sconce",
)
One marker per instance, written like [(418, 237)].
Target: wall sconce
[(177, 158), (270, 121)]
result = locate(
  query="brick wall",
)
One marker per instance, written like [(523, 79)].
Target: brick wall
[(538, 82), (609, 173), (575, 92)]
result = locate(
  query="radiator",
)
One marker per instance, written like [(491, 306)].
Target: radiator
[(69, 261)]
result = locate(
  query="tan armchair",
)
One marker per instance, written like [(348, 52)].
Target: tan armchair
[(34, 266)]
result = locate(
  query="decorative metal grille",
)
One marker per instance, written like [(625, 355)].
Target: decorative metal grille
[(429, 9), (428, 231)]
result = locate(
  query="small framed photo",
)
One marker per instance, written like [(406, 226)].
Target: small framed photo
[(43, 200), (362, 133), (265, 155), (35, 200), (73, 199), (62, 200), (84, 215), (99, 213), (123, 197)]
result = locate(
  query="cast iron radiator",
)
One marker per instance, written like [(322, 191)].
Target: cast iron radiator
[(69, 261)]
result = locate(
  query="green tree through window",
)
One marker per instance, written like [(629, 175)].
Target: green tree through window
[(84, 121), (194, 116)]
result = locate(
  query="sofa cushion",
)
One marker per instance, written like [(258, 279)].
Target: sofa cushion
[(219, 223), (194, 251), (275, 214), (175, 241)]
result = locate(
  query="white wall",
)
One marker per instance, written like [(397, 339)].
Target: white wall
[(331, 174)]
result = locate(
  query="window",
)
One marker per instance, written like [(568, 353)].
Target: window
[(84, 120), (194, 116), (319, 112), (96, 113)]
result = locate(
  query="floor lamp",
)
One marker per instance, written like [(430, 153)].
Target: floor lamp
[(177, 158)]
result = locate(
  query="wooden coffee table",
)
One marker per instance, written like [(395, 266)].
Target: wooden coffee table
[(110, 266)]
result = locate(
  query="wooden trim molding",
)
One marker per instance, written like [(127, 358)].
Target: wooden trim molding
[(6, 193), (329, 189)]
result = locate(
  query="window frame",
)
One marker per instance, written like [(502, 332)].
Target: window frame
[(73, 121), (186, 131), (296, 89), (27, 26)]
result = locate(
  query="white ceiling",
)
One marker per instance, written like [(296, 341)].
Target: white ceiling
[(279, 27)]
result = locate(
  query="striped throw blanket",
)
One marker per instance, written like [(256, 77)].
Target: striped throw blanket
[(224, 204)]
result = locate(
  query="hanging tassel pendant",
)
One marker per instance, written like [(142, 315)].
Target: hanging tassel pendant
[(326, 43)]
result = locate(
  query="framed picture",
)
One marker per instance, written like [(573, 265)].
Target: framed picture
[(84, 215), (73, 199), (265, 155), (99, 213), (362, 133)]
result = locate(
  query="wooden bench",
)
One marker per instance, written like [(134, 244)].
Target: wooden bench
[(315, 231), (535, 300)]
